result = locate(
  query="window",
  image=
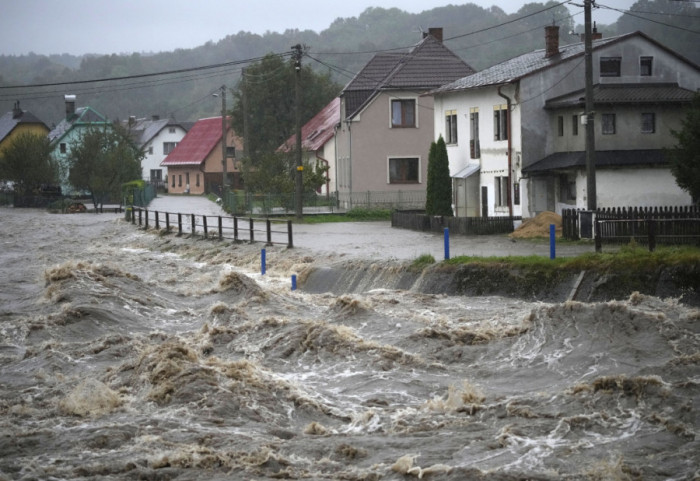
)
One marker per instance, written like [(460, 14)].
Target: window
[(501, 189), (197, 180), (150, 150), (645, 64), (168, 147), (403, 170), (231, 151), (62, 147), (608, 124), (474, 148), (560, 126), (403, 113), (171, 130), (187, 179), (156, 175), (610, 66), (179, 181), (451, 127), (173, 181), (516, 193), (574, 125), (500, 122), (648, 123)]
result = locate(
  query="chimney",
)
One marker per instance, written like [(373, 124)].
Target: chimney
[(70, 105), (16, 111), (551, 40), (435, 32)]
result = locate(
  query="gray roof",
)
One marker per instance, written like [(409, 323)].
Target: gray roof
[(143, 130), (9, 121), (523, 65), (82, 115), (604, 158), (426, 66), (617, 94)]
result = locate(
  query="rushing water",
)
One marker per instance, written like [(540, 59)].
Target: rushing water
[(125, 354)]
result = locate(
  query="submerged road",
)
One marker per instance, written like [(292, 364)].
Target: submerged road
[(378, 240)]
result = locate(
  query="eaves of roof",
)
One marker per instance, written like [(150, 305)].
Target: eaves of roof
[(605, 158), (82, 116), (8, 122), (617, 94)]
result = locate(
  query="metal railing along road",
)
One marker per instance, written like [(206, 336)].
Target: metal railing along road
[(239, 229)]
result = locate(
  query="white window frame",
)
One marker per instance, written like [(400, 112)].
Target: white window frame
[(451, 127), (396, 157)]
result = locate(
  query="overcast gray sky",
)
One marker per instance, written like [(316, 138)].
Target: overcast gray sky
[(124, 26)]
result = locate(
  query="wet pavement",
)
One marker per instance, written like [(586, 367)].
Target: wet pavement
[(378, 240)]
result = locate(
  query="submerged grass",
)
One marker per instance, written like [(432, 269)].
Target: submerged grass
[(353, 215)]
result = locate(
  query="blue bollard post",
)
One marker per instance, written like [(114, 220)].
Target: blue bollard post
[(262, 261), (552, 248), (294, 282), (447, 243)]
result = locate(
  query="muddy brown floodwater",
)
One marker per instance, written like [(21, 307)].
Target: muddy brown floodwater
[(127, 354)]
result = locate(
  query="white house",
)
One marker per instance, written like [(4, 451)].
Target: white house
[(157, 138), (515, 138)]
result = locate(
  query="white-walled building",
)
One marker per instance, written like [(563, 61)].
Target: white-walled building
[(515, 139)]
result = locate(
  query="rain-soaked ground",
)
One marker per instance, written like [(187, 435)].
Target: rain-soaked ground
[(127, 354)]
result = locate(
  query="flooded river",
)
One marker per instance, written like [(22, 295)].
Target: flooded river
[(127, 354)]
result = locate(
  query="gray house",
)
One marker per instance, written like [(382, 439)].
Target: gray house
[(386, 126)]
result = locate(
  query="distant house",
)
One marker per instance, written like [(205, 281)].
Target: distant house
[(76, 123), (18, 121), (156, 138), (318, 142), (195, 165), (386, 126), (516, 133)]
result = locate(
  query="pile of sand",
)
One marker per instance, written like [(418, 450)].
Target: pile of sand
[(538, 226)]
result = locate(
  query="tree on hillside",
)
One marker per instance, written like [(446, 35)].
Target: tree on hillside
[(439, 188), (267, 90), (28, 164), (102, 160), (685, 156)]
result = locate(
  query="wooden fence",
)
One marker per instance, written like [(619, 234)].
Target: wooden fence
[(238, 229), (644, 225), (458, 225)]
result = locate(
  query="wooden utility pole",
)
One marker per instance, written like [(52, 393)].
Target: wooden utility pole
[(296, 55), (223, 140), (590, 113)]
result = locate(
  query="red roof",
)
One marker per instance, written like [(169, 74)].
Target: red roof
[(317, 131), (197, 144)]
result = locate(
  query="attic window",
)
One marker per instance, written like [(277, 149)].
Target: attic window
[(610, 66), (645, 64), (403, 113), (62, 147)]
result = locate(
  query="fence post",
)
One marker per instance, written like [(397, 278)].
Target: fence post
[(269, 232), (146, 226), (221, 229), (167, 222), (447, 243), (204, 224), (263, 259), (651, 229), (294, 282), (252, 234), (552, 238), (235, 228), (596, 236), (179, 224), (194, 224), (157, 221), (290, 244)]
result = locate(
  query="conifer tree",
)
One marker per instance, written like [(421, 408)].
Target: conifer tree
[(439, 188)]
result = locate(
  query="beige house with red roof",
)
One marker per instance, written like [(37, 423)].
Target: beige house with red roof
[(318, 142), (195, 165)]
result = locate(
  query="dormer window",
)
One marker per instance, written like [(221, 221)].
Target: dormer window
[(610, 66), (645, 64)]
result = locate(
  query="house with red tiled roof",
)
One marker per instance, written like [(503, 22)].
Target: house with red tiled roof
[(195, 166), (318, 142), (516, 131), (387, 126)]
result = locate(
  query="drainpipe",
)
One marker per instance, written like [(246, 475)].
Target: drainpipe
[(510, 145), (335, 160)]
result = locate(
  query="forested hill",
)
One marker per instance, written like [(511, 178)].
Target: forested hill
[(482, 37)]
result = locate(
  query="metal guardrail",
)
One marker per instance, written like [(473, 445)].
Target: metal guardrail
[(238, 229)]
